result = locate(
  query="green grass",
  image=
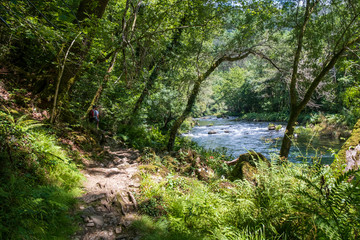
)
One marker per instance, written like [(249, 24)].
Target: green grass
[(38, 182)]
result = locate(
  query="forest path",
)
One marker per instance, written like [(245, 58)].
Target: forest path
[(108, 205)]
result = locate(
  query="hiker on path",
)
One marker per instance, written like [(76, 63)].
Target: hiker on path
[(94, 116)]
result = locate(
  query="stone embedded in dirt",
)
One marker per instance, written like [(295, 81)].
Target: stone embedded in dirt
[(133, 200), (90, 224), (112, 219), (99, 185), (101, 209), (89, 210), (127, 223), (93, 197), (118, 230), (85, 218), (98, 220), (135, 185)]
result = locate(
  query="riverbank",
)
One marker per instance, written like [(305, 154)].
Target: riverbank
[(178, 202), (237, 137), (330, 126)]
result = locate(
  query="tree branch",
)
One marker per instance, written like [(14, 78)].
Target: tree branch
[(325, 70), (263, 56)]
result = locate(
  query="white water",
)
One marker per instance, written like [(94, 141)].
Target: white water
[(238, 137)]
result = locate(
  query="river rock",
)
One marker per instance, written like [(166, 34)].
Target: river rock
[(212, 132), (271, 127), (245, 167), (353, 158), (349, 153)]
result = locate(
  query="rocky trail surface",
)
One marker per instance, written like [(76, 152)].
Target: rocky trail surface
[(108, 205)]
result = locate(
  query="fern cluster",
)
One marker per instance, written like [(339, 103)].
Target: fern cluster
[(38, 182), (285, 202)]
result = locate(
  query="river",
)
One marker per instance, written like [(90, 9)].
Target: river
[(237, 137)]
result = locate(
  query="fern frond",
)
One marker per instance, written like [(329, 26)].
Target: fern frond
[(7, 116), (309, 183)]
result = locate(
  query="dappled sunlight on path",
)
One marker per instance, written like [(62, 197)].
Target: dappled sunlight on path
[(108, 205)]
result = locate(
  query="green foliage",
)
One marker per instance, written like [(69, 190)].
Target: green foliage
[(38, 182), (284, 202), (271, 117), (333, 202), (141, 137)]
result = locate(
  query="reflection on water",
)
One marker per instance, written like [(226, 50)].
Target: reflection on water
[(240, 137)]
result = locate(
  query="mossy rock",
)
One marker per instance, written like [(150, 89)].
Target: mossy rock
[(350, 145), (245, 167), (271, 126), (154, 169)]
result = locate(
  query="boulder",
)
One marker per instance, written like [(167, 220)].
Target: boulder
[(353, 158), (212, 132), (271, 126), (349, 154), (245, 166)]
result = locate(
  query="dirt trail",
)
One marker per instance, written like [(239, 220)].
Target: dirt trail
[(109, 206)]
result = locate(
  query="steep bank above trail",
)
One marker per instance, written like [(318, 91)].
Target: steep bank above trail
[(108, 205)]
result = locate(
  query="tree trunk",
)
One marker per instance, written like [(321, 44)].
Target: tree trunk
[(148, 85), (175, 43), (195, 91), (296, 109), (53, 112), (91, 7), (87, 8), (289, 132), (184, 115), (101, 86)]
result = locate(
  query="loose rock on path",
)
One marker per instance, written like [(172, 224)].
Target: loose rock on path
[(108, 206)]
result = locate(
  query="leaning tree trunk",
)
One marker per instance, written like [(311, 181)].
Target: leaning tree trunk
[(86, 9), (289, 132), (158, 67), (53, 112), (194, 93), (101, 86), (184, 115), (296, 107)]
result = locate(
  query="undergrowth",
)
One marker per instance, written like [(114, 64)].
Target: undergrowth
[(38, 182), (291, 201)]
